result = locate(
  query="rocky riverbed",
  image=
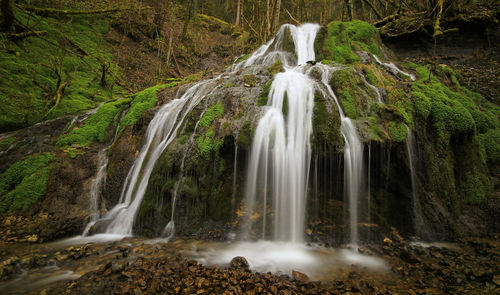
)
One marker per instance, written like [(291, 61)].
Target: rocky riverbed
[(138, 266)]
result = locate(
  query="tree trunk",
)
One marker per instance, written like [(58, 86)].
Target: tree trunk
[(7, 14), (437, 27), (276, 16), (238, 11), (268, 19), (171, 34), (191, 12)]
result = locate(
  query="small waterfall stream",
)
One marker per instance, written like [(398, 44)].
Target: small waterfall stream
[(161, 131), (418, 222)]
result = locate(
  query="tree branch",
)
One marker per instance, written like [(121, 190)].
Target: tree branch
[(291, 17), (62, 12), (23, 35), (58, 97), (373, 8)]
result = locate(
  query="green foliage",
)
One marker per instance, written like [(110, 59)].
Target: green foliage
[(95, 126), (25, 182), (346, 37), (207, 143), (72, 51), (264, 94), (398, 131), (212, 113)]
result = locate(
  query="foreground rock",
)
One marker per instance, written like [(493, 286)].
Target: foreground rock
[(135, 266)]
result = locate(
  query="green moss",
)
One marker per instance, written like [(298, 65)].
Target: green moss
[(7, 142), (422, 104), (452, 112), (212, 113), (30, 69), (95, 126), (276, 67), (375, 130), (344, 85), (249, 80), (244, 135), (474, 190), (207, 143), (326, 126), (25, 182), (398, 132), (489, 143), (183, 139), (264, 94), (143, 101), (229, 85), (401, 103), (344, 38), (372, 78)]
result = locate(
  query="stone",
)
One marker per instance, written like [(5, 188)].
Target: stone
[(496, 280), (299, 276), (239, 262), (388, 241)]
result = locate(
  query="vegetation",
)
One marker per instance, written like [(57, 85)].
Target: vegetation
[(344, 38), (141, 102), (95, 126), (57, 73), (25, 182), (212, 113), (208, 142)]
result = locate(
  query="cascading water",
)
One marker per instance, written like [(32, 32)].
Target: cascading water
[(353, 156), (393, 68), (281, 151), (418, 222), (161, 131)]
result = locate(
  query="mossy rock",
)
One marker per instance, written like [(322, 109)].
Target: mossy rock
[(345, 38), (25, 182), (326, 124)]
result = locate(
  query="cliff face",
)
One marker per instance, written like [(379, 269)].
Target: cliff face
[(454, 158)]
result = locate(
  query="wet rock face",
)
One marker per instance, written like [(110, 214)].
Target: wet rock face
[(64, 210)]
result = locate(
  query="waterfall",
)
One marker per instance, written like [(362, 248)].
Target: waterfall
[(281, 151), (393, 69), (418, 222), (95, 189), (161, 131), (100, 177), (279, 163), (353, 157), (169, 229)]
